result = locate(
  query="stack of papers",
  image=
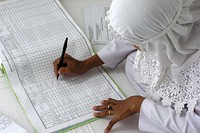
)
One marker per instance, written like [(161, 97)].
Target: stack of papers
[(9, 126), (96, 27)]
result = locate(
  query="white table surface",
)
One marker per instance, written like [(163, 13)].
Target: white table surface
[(10, 106)]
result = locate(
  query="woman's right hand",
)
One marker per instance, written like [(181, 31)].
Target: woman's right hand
[(74, 66)]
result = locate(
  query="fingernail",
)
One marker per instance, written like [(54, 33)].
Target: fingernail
[(95, 114), (102, 101), (94, 107), (105, 131)]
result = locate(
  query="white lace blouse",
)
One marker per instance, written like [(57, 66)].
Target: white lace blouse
[(175, 106), (168, 66)]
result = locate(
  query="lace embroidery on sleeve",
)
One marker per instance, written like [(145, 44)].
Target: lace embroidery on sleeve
[(148, 69), (178, 87), (182, 88)]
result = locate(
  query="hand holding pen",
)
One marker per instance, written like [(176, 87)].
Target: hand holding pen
[(71, 66), (61, 62)]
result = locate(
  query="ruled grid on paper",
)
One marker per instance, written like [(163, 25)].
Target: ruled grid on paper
[(34, 34)]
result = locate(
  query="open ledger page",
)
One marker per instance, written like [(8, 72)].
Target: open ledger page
[(32, 34)]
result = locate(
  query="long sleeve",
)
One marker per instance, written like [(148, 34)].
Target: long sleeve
[(156, 118), (113, 53)]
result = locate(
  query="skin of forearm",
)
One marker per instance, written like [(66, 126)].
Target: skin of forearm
[(92, 62)]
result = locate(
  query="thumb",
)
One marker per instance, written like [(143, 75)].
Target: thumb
[(63, 70), (110, 125)]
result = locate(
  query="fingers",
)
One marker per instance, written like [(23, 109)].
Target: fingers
[(55, 64), (109, 107), (104, 107), (65, 70), (110, 100), (100, 108), (104, 113), (111, 124), (101, 114)]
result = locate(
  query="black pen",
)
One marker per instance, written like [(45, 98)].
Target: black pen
[(61, 64)]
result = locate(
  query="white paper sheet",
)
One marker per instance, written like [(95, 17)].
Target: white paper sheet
[(32, 37), (9, 126), (96, 26)]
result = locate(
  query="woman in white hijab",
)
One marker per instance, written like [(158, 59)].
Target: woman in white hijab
[(166, 34)]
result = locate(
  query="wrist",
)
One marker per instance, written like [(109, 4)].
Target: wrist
[(137, 103), (85, 65), (140, 101), (93, 61)]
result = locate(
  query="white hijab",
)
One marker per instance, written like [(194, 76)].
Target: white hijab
[(168, 34)]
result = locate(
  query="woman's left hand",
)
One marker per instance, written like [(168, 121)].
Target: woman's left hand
[(120, 109)]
